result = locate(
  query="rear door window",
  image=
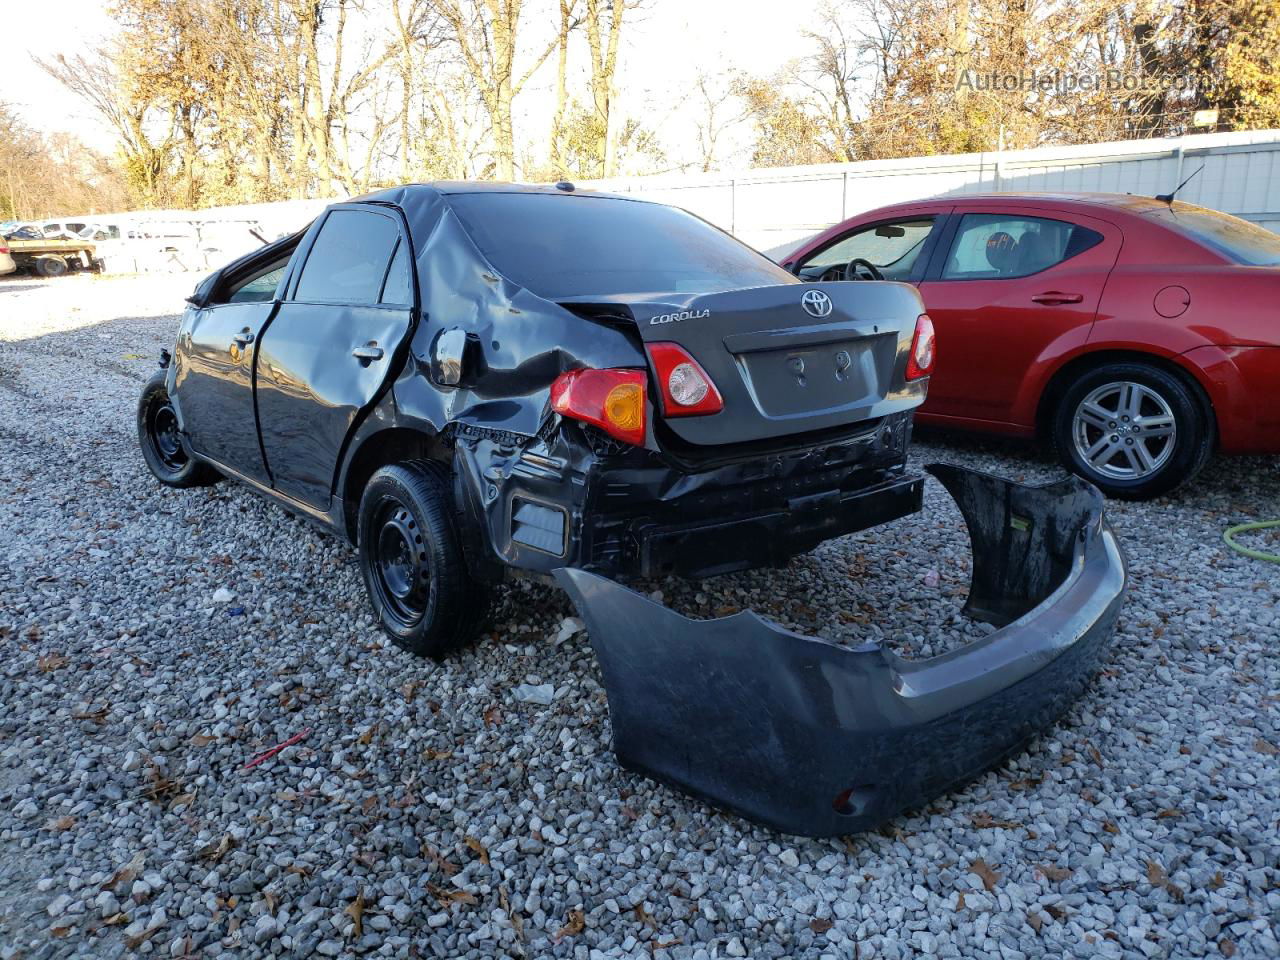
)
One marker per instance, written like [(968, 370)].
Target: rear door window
[(349, 259), (398, 290), (993, 246)]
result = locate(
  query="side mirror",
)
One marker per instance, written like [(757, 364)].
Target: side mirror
[(447, 357)]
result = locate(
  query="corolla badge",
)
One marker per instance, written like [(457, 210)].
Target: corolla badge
[(682, 315), (816, 303)]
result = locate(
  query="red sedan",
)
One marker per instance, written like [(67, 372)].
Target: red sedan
[(1139, 335)]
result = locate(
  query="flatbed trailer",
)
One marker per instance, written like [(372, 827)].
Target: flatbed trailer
[(53, 257)]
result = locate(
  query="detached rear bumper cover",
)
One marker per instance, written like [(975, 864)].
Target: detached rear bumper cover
[(813, 738)]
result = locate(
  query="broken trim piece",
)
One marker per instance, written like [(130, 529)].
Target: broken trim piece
[(813, 738)]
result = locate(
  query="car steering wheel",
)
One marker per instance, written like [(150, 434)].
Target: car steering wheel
[(851, 271)]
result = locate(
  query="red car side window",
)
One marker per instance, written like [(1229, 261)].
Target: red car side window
[(996, 246)]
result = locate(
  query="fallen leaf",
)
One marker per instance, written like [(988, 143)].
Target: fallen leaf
[(1270, 749), (97, 716), (960, 900), (446, 896), (61, 824), (644, 916), (356, 912), (128, 873), (1227, 948), (492, 716), (1167, 813), (273, 901), (51, 661), (984, 821), (437, 859), (1097, 757), (216, 851), (1155, 874), (989, 877), (478, 848), (369, 805), (116, 919), (60, 932), (1217, 881), (1056, 874), (433, 754), (577, 922), (367, 737), (301, 869), (133, 943), (820, 924), (202, 740), (1110, 827), (1035, 921)]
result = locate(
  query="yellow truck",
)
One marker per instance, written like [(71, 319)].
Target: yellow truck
[(50, 257)]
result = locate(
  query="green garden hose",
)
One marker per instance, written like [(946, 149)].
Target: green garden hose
[(1249, 551)]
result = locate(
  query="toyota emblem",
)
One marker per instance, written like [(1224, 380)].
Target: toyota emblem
[(816, 303)]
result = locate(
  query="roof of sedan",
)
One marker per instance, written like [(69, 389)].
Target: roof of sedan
[(1129, 201), (450, 187)]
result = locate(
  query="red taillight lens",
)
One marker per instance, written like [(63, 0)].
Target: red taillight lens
[(613, 400), (923, 352), (686, 389), (3, 248)]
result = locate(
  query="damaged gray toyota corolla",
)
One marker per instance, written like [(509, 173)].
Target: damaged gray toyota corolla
[(475, 382), (813, 738)]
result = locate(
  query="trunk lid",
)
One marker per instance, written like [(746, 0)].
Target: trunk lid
[(781, 368)]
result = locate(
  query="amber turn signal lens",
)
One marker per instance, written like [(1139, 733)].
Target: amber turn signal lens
[(624, 407)]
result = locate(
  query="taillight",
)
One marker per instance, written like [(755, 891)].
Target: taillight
[(613, 400), (921, 359), (3, 249), (686, 389)]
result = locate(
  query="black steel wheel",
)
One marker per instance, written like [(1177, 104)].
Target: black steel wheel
[(411, 558), (161, 440)]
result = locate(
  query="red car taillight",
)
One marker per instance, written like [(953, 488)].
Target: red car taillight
[(686, 389), (613, 400), (3, 248), (923, 352)]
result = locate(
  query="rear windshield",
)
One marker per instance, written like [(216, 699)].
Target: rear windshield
[(1240, 240), (562, 246)]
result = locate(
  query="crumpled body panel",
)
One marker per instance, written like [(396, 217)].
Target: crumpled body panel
[(814, 738)]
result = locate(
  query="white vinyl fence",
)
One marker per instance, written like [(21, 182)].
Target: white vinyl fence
[(772, 209)]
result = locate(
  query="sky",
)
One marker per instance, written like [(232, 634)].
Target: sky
[(665, 47)]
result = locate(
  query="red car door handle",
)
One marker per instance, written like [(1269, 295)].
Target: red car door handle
[(1053, 298)]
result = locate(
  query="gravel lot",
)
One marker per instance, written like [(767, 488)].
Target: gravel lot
[(427, 811)]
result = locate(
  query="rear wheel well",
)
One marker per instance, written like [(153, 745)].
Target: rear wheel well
[(396, 445), (1062, 379)]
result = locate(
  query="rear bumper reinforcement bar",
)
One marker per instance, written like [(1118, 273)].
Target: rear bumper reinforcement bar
[(814, 738)]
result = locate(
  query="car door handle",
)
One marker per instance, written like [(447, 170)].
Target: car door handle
[(1053, 298), (243, 338), (368, 353)]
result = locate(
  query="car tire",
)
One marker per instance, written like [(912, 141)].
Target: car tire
[(422, 592), (51, 266), (162, 446), (1134, 430)]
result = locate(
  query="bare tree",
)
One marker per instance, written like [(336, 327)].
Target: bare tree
[(486, 32), (604, 31), (93, 78), (719, 109)]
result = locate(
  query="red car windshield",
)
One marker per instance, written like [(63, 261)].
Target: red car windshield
[(1242, 241)]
